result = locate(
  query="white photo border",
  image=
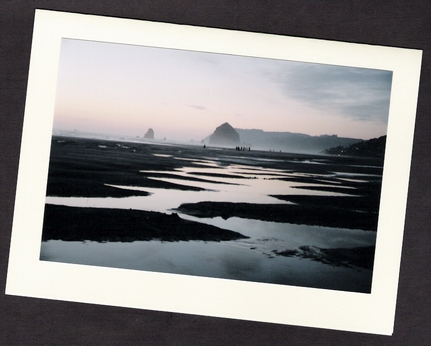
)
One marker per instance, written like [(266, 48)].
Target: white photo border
[(28, 276)]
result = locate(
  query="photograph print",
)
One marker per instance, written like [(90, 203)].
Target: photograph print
[(216, 165)]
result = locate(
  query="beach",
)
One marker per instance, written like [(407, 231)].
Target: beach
[(225, 213)]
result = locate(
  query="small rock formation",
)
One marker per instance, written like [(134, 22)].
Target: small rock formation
[(149, 134), (225, 135)]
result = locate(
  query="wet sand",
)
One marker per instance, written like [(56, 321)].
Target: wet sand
[(83, 167), (87, 168), (103, 225), (303, 214)]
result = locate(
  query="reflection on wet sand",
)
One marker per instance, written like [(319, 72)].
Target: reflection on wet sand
[(266, 217)]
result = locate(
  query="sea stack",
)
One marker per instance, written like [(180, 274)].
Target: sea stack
[(225, 136), (149, 134)]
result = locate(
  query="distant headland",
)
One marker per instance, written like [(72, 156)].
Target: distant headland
[(227, 136)]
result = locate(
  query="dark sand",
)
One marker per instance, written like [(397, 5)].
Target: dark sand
[(83, 167), (116, 225), (86, 168), (306, 214)]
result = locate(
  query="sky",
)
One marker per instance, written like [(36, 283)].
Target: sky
[(182, 95)]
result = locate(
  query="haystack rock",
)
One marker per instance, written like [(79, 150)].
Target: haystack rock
[(149, 134), (225, 135)]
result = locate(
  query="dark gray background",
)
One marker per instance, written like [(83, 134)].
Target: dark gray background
[(29, 321)]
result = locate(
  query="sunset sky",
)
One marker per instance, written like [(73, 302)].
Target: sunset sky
[(125, 90)]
